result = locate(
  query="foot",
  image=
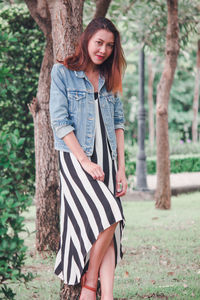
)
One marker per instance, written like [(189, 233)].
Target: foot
[(88, 293)]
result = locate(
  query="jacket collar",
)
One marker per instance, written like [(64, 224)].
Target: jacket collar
[(80, 74)]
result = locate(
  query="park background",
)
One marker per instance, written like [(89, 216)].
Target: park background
[(143, 26)]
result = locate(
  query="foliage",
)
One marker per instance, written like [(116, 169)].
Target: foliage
[(130, 104), (178, 164), (151, 30), (177, 146), (182, 93), (13, 201), (4, 72), (23, 59)]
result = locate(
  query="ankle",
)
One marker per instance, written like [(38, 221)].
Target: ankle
[(107, 297), (91, 279)]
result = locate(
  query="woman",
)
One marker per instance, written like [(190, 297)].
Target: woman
[(87, 120)]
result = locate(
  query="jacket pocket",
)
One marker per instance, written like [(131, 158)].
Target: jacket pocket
[(75, 100)]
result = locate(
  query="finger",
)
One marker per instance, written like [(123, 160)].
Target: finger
[(100, 174), (119, 187), (123, 190), (94, 176), (101, 178), (120, 194)]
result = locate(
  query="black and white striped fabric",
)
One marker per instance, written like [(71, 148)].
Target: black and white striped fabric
[(88, 207)]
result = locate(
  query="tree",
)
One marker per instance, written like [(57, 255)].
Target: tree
[(61, 23), (163, 192), (196, 97), (151, 73)]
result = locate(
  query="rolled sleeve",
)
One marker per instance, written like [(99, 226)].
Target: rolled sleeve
[(119, 126), (59, 115), (62, 129), (118, 114)]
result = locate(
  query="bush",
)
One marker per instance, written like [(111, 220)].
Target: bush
[(177, 147), (14, 200), (22, 59), (178, 164)]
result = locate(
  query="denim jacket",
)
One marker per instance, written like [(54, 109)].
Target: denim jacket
[(72, 108)]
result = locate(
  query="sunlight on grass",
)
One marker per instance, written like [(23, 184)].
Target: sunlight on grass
[(161, 254)]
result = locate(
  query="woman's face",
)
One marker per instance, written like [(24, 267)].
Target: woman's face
[(100, 46)]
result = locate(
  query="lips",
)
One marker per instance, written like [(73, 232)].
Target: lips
[(100, 57)]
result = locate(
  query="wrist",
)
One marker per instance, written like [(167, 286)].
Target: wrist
[(121, 168), (83, 159)]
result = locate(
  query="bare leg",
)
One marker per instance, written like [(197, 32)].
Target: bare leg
[(107, 272), (96, 255)]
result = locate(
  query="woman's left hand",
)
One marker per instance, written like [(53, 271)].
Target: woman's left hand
[(121, 183)]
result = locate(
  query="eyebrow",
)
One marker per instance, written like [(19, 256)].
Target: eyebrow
[(104, 41)]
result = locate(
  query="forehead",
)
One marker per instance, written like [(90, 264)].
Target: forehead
[(104, 35)]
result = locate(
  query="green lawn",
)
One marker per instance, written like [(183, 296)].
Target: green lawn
[(161, 259)]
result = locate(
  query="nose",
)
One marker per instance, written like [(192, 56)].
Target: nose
[(103, 49)]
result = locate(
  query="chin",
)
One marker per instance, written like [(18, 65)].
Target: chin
[(98, 62)]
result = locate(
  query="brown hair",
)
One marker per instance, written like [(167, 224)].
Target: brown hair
[(112, 69)]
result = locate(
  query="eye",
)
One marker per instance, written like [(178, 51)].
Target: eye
[(111, 46), (99, 42)]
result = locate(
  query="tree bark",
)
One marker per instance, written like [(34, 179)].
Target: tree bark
[(47, 183), (101, 8), (151, 75), (163, 191), (66, 17), (196, 98)]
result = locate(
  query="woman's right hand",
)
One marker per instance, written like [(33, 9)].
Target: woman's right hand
[(93, 169)]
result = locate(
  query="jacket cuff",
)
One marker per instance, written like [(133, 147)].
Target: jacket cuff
[(63, 130), (117, 126)]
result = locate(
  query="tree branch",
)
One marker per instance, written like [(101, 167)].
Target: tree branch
[(40, 13), (126, 9), (33, 107), (101, 8)]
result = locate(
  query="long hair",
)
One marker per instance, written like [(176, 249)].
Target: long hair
[(112, 69)]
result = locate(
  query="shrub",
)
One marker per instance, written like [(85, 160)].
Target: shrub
[(178, 164), (13, 201), (23, 60)]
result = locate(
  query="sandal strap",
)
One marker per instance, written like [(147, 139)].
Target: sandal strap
[(90, 288)]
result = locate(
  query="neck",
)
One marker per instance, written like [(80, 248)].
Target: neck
[(92, 68)]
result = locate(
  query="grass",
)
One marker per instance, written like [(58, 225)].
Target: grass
[(161, 255), (162, 251)]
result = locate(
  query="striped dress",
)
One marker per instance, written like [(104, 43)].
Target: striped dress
[(88, 207)]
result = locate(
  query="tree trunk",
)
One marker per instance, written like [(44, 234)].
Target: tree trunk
[(163, 191), (66, 17), (101, 8), (47, 183), (151, 75), (196, 98)]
